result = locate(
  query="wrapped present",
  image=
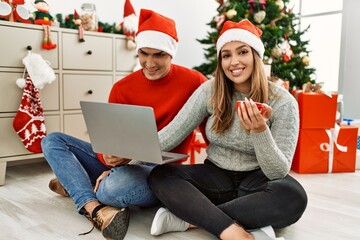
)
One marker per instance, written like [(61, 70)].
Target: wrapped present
[(317, 110), (197, 149), (357, 160), (345, 159), (326, 150), (356, 123)]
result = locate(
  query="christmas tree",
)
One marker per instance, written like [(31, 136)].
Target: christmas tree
[(285, 51)]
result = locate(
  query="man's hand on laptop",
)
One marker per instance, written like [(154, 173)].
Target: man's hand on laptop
[(114, 161)]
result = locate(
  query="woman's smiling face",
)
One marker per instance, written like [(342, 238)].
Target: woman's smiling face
[(237, 62)]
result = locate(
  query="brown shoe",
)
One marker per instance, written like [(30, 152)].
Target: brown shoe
[(56, 186), (112, 222)]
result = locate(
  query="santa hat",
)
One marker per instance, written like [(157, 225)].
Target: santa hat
[(243, 31), (130, 23), (156, 31), (76, 15)]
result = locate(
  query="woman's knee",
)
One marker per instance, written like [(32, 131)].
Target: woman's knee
[(159, 174), (296, 193), (294, 200)]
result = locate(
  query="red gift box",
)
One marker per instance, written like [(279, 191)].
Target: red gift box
[(346, 161), (197, 149), (317, 110), (326, 150)]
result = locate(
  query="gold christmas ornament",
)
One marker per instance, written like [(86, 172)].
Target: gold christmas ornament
[(305, 60), (259, 16), (280, 4), (276, 52), (231, 13)]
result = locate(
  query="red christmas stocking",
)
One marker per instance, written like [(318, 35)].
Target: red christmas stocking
[(29, 121)]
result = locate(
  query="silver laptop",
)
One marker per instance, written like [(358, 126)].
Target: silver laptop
[(127, 131)]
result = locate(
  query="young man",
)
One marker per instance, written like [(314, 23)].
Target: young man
[(121, 182)]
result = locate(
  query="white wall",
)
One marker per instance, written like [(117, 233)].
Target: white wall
[(349, 76), (191, 17)]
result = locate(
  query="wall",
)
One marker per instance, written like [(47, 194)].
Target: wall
[(349, 76), (190, 16)]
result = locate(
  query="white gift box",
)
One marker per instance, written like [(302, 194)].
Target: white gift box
[(197, 150)]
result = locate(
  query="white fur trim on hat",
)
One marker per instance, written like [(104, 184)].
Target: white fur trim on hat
[(241, 35), (156, 40)]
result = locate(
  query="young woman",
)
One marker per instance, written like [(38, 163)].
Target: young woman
[(244, 182)]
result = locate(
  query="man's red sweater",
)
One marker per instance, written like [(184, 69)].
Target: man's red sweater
[(166, 95)]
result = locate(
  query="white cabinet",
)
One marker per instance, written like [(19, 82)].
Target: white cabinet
[(15, 40), (85, 87), (93, 54), (84, 71)]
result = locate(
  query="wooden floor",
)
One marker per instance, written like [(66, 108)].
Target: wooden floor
[(30, 211)]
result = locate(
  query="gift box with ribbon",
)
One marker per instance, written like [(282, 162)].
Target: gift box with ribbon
[(197, 149), (326, 150)]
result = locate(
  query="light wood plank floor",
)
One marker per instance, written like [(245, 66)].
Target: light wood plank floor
[(29, 210)]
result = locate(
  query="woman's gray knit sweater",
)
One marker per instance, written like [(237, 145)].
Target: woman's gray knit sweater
[(271, 150)]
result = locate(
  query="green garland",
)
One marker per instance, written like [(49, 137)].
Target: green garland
[(103, 27)]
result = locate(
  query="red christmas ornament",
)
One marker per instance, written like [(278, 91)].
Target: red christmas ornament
[(29, 121)]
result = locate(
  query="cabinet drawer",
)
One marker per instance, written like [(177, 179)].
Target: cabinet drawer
[(125, 59), (14, 42), (10, 93), (93, 54), (85, 88), (10, 143), (74, 125)]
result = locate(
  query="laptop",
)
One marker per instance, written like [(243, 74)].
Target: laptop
[(127, 131)]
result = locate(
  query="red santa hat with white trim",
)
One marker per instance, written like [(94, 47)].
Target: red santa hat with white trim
[(156, 31), (243, 31), (130, 22)]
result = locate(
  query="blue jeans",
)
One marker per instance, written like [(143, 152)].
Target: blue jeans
[(77, 167), (213, 198)]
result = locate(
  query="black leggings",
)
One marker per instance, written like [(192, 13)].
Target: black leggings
[(213, 198)]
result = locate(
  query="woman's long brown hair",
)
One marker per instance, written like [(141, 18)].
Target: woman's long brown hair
[(223, 91)]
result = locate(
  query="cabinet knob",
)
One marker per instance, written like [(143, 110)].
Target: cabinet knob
[(29, 48), (90, 92), (89, 52)]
